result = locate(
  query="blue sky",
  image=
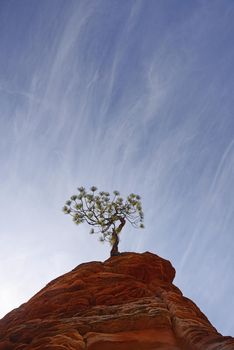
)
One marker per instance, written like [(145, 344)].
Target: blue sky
[(129, 95)]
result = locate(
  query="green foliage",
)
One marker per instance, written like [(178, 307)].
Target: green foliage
[(102, 211)]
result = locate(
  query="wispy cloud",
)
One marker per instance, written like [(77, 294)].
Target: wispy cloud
[(124, 96)]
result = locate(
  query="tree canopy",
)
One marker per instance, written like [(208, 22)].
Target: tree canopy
[(107, 214)]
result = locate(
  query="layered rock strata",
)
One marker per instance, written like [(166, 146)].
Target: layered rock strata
[(127, 302)]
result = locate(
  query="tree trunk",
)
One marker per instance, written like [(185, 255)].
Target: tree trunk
[(115, 238), (115, 250)]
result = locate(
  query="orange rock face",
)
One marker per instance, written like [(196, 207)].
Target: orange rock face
[(127, 302)]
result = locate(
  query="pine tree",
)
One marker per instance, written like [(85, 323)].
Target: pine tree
[(105, 213)]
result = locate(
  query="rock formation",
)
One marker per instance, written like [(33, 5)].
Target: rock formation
[(127, 302)]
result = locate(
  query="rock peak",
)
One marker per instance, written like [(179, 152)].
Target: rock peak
[(126, 302)]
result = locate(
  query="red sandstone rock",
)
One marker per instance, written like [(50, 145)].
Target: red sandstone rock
[(127, 302)]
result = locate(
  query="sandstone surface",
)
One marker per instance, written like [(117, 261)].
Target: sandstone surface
[(127, 302)]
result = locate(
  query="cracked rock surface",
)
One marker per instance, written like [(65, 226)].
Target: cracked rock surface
[(127, 302)]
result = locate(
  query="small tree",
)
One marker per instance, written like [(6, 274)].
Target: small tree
[(107, 215)]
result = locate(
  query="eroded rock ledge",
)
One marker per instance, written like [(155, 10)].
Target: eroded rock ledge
[(127, 302)]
